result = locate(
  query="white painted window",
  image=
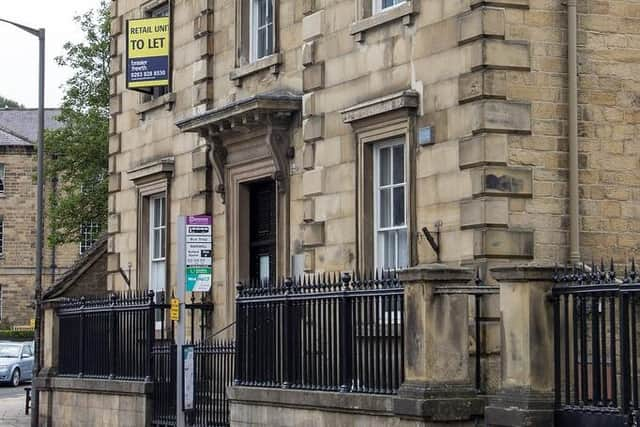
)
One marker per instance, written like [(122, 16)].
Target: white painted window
[(157, 242), (390, 205), (1, 178), (88, 236), (382, 5), (262, 29)]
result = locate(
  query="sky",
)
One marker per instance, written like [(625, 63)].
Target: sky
[(19, 50)]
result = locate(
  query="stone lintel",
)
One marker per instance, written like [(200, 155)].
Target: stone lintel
[(505, 181), (523, 273), (482, 84), (159, 167), (407, 99), (439, 274), (440, 402), (483, 149), (500, 54), (482, 22), (501, 243)]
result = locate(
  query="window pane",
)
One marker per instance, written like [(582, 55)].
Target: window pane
[(163, 201), (157, 244), (398, 206), (385, 207), (398, 164), (157, 279), (260, 52), (269, 35), (384, 166), (156, 212), (403, 249)]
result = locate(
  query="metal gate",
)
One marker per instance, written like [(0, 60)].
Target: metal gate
[(596, 347), (213, 368)]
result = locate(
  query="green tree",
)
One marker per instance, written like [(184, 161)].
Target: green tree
[(77, 151), (9, 103)]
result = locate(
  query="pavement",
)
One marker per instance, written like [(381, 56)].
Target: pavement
[(12, 407)]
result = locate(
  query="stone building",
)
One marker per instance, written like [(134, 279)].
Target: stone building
[(325, 135), (18, 139), (471, 96)]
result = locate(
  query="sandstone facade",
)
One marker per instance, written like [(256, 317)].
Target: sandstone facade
[(486, 79)]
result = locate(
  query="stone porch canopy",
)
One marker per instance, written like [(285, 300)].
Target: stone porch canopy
[(268, 114)]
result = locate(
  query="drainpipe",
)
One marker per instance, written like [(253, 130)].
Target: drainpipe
[(54, 190), (574, 219)]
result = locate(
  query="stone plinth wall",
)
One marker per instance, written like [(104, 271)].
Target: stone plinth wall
[(91, 402), (286, 408)]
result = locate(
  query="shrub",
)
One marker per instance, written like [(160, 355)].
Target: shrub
[(6, 335)]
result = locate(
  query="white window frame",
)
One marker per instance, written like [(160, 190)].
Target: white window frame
[(254, 30), (157, 283), (377, 6), (376, 196), (88, 235)]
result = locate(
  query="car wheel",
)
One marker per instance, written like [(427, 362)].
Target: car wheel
[(15, 378)]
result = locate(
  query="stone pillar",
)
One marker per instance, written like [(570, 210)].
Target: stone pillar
[(50, 329), (437, 384), (526, 394)]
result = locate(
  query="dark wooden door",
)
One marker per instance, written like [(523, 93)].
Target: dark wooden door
[(262, 233)]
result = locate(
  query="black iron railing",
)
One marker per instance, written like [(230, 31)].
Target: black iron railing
[(214, 362), (107, 337), (164, 384), (596, 346), (323, 332)]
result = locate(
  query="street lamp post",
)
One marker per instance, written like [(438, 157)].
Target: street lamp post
[(39, 214)]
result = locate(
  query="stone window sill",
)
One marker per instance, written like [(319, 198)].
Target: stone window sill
[(271, 61), (404, 12), (165, 101)]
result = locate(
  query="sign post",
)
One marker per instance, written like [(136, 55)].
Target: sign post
[(198, 259), (180, 332)]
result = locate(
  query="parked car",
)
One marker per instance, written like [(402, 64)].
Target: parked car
[(16, 362)]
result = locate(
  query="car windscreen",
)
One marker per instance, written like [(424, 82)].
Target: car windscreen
[(10, 350)]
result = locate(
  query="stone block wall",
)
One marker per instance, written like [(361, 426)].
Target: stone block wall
[(17, 262), (83, 402)]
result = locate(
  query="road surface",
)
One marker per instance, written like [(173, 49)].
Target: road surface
[(12, 406)]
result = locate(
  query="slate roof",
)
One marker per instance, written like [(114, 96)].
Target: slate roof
[(19, 126)]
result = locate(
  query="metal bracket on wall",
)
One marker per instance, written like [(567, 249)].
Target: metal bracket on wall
[(125, 277), (434, 242)]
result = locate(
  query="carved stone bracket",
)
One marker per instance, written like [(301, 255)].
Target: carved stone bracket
[(269, 115), (277, 140), (217, 157)]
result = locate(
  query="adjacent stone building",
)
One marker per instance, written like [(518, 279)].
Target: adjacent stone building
[(18, 136)]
